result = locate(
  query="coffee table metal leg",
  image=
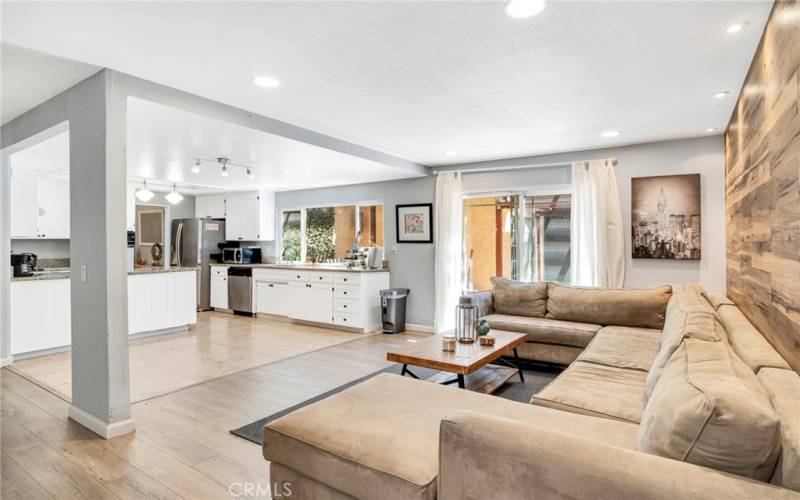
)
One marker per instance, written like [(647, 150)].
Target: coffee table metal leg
[(461, 383), (516, 362), (406, 370)]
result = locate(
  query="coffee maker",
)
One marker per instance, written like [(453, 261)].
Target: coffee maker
[(23, 263)]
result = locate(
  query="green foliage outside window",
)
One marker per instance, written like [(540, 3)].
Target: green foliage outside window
[(320, 233), (292, 237)]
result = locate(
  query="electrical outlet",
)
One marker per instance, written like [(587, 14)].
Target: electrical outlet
[(83, 273)]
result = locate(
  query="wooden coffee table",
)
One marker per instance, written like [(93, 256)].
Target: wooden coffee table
[(468, 362)]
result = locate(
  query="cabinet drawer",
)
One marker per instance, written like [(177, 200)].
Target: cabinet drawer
[(346, 279), (346, 292), (219, 271), (270, 275), (345, 306), (298, 276), (342, 319), (321, 277)]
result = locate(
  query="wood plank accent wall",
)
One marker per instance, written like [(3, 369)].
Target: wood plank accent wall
[(762, 157)]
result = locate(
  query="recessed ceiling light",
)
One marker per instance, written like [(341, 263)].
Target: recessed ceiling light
[(267, 82), (721, 94), (711, 129), (451, 153), (611, 133), (737, 27), (519, 9)]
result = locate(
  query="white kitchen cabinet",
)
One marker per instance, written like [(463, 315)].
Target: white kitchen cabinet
[(219, 292), (250, 216), (24, 207), (40, 315), (272, 298), (183, 298), (210, 207), (310, 301), (53, 202)]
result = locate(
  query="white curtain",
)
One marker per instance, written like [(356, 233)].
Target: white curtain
[(448, 227), (597, 235)]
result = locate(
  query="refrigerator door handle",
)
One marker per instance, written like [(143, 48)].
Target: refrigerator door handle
[(179, 244)]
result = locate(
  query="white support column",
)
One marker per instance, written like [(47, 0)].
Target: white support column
[(98, 249), (5, 261)]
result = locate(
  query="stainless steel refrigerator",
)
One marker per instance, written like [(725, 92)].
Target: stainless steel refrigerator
[(193, 242)]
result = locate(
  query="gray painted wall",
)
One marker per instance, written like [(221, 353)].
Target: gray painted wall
[(183, 210), (413, 265)]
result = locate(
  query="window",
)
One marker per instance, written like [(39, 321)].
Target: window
[(520, 236), (291, 236), (326, 234)]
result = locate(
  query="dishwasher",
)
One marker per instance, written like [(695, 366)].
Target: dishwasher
[(240, 290)]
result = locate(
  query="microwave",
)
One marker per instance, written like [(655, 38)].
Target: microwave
[(242, 255)]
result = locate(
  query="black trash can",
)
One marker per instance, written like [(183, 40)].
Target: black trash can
[(393, 309)]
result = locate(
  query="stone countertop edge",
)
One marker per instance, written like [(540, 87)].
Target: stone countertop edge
[(62, 275), (302, 268)]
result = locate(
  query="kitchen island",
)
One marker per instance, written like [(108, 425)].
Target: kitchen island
[(329, 295), (159, 301)]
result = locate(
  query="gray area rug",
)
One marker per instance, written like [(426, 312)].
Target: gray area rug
[(536, 377)]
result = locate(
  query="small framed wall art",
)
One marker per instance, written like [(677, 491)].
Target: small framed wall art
[(414, 223)]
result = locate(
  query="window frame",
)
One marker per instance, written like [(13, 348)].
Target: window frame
[(302, 209), (520, 193)]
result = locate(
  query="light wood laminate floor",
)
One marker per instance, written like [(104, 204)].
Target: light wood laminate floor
[(218, 345), (181, 447)]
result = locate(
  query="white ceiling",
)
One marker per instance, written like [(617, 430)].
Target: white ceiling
[(50, 155), (162, 142), (28, 78), (415, 79)]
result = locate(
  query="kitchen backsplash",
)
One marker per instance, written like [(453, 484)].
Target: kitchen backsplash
[(44, 249)]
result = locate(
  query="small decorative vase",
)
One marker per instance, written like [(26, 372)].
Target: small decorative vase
[(486, 340), (482, 328), (466, 320)]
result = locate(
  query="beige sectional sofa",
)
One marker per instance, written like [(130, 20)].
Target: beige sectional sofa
[(701, 408)]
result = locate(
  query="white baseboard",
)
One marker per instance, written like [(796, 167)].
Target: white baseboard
[(102, 429), (6, 361), (414, 327)]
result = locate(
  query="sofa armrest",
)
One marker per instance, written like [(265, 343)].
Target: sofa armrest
[(483, 456), (483, 300)]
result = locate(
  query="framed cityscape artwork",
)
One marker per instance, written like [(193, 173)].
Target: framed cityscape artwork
[(665, 217), (414, 223)]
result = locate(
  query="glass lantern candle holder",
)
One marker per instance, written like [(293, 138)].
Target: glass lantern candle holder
[(466, 319)]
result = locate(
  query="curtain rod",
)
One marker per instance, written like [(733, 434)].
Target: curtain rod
[(519, 167)]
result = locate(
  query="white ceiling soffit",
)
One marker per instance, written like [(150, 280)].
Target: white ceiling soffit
[(416, 79), (163, 142), (28, 78)]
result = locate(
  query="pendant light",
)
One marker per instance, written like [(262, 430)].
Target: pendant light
[(144, 194), (174, 197), (196, 167)]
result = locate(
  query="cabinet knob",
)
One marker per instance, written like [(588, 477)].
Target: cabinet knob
[(345, 306), (345, 292)]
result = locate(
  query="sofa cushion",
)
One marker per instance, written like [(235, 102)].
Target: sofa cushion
[(709, 409), (690, 315), (545, 330), (380, 438), (717, 300), (518, 298), (549, 353), (624, 307), (747, 342), (623, 347), (596, 390), (783, 388)]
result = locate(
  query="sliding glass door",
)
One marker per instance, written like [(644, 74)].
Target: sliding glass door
[(520, 235)]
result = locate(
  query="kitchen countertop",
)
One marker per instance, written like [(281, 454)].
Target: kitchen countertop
[(61, 274), (304, 267)]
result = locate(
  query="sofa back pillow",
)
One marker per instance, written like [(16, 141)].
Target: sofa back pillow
[(747, 342), (609, 306), (689, 315), (709, 409), (518, 298), (783, 388)]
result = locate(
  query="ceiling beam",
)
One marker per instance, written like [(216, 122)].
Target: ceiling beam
[(168, 96)]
